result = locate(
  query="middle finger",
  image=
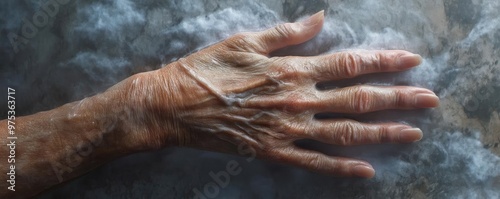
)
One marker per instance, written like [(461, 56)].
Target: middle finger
[(365, 98)]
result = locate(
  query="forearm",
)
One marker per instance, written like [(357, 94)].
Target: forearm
[(60, 144)]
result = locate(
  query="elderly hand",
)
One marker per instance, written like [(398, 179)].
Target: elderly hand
[(233, 92)]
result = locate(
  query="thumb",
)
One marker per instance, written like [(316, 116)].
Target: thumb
[(289, 34)]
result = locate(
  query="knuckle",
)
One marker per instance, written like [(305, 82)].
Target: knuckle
[(240, 36), (266, 149), (284, 31), (348, 134), (240, 41), (398, 98), (361, 100), (349, 64), (282, 69), (315, 162), (383, 135), (278, 132), (376, 61), (296, 102), (283, 136), (287, 128)]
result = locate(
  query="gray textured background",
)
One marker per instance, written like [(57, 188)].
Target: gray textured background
[(89, 45)]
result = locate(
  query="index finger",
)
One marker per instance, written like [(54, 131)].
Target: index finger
[(350, 64)]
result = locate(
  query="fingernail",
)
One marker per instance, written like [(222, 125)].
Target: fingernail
[(314, 19), (410, 135), (363, 171), (409, 60), (424, 100)]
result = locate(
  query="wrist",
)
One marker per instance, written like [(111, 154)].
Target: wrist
[(150, 104), (124, 107), (63, 143), (103, 120)]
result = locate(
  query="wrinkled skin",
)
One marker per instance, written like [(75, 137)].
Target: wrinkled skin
[(234, 93)]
